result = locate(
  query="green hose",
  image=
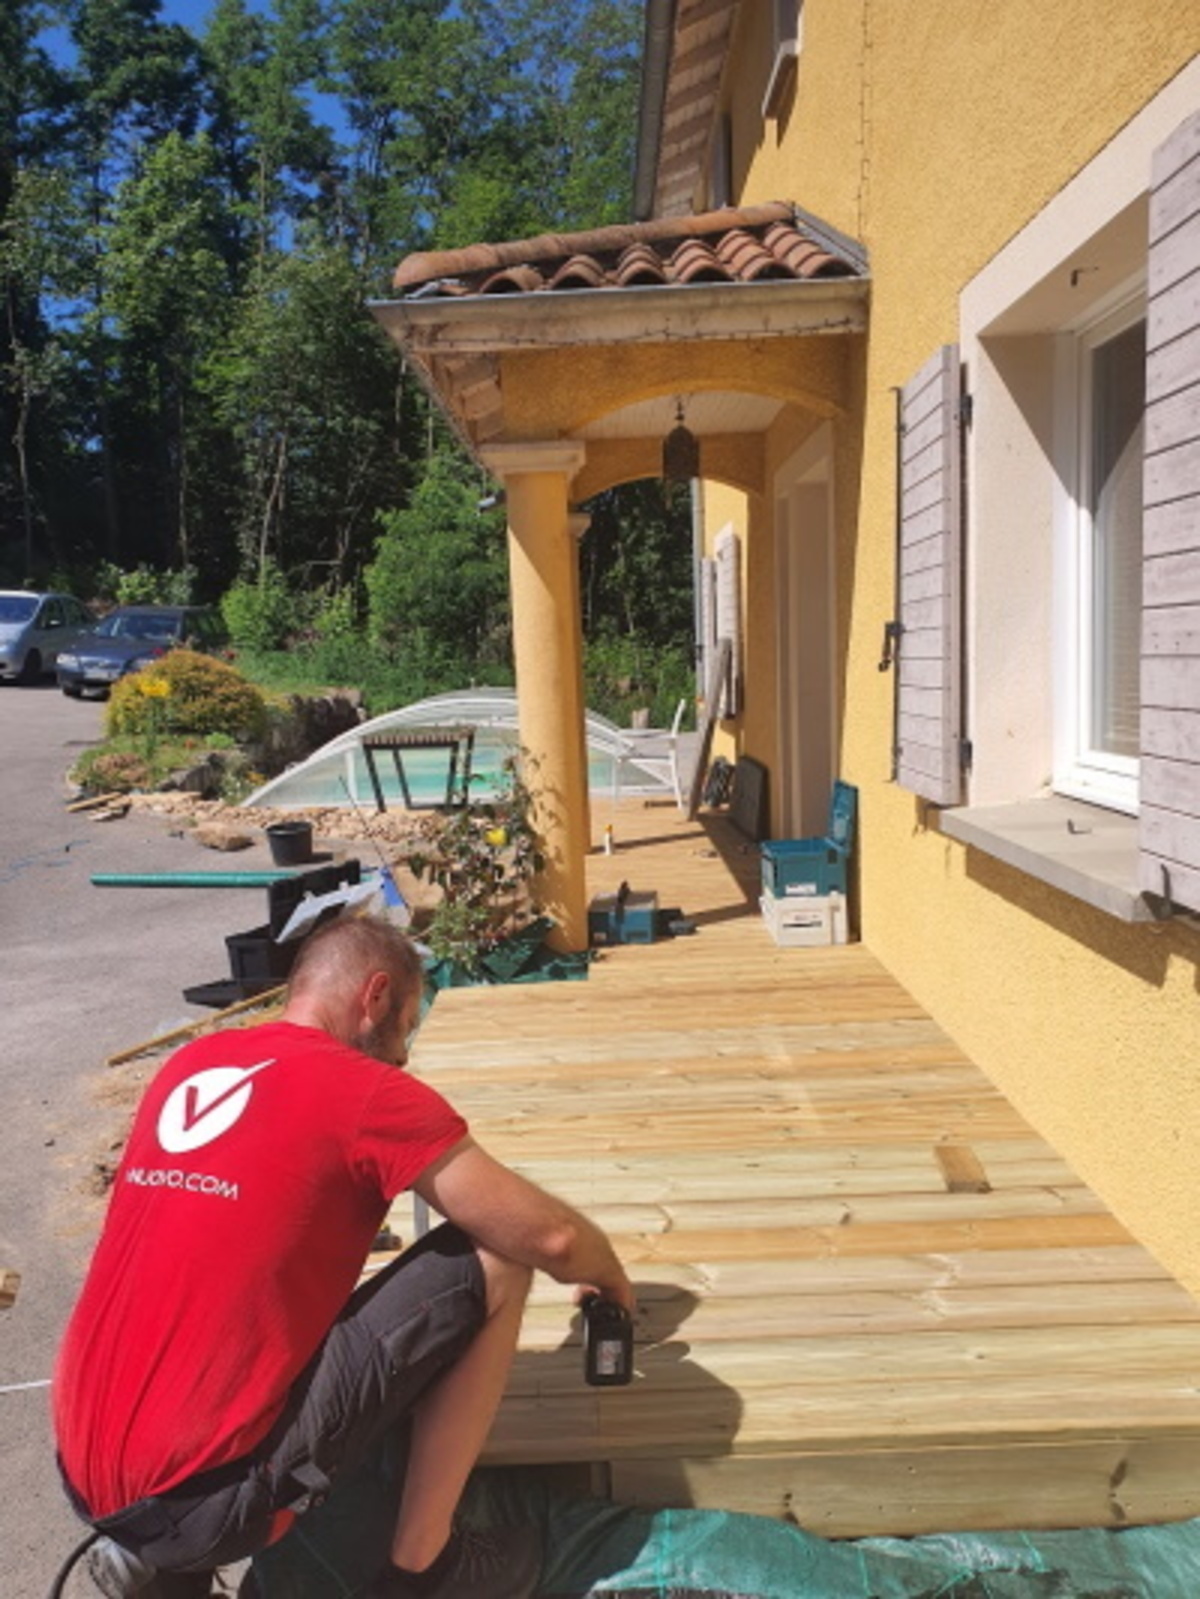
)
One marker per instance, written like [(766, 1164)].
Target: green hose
[(262, 879)]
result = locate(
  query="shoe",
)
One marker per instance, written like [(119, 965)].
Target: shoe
[(118, 1573), (477, 1563)]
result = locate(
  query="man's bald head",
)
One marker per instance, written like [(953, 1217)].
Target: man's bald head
[(356, 977)]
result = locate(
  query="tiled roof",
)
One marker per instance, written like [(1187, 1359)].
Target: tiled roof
[(736, 245)]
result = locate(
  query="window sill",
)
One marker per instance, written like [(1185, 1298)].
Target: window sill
[(1080, 849)]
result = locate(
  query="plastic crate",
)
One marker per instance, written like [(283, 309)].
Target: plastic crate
[(805, 923), (284, 896), (255, 957)]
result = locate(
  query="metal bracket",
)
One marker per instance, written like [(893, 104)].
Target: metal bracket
[(1161, 906), (892, 632)]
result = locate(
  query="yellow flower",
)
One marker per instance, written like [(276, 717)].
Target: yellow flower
[(155, 688), (497, 837)]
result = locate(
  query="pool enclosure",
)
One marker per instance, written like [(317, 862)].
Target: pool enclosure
[(340, 772)]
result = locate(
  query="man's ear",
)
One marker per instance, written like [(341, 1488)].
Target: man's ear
[(375, 993)]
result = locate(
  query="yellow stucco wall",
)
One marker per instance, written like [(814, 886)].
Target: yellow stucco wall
[(934, 132)]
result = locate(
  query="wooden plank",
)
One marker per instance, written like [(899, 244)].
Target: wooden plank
[(1169, 785), (820, 1291), (906, 1492), (1173, 683), (1167, 529), (1173, 196), (1175, 735), (1173, 312), (1172, 836)]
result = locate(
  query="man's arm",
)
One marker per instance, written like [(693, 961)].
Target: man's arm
[(517, 1219)]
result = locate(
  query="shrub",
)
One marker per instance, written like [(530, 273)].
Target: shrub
[(337, 617), (143, 585), (484, 858), (112, 771), (621, 674), (262, 614), (133, 762), (186, 692)]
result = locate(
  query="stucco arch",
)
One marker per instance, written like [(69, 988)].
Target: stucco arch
[(736, 459), (552, 393)]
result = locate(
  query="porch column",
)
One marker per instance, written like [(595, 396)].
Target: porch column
[(548, 653)]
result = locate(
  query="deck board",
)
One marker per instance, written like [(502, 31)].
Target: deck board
[(870, 1297)]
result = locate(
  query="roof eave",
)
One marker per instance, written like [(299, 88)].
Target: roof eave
[(656, 62), (492, 323)]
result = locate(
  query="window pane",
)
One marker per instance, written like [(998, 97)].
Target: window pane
[(1118, 407)]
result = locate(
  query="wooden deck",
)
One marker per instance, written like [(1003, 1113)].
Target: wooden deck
[(871, 1298)]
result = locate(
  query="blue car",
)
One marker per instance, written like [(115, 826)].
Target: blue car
[(131, 637), (35, 629)]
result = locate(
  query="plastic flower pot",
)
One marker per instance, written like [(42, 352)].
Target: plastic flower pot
[(290, 843)]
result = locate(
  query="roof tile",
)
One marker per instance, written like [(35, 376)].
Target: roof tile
[(735, 245)]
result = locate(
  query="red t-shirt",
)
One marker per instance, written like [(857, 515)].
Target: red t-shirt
[(260, 1166)]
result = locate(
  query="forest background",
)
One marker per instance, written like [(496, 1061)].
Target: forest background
[(195, 403)]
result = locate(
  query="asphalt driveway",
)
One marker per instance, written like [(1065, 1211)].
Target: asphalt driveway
[(85, 971)]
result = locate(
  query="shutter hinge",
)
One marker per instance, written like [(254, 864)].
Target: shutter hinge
[(966, 754), (966, 410), (892, 632)]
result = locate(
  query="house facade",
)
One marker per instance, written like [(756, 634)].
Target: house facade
[(924, 282)]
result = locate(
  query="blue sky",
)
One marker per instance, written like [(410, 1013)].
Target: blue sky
[(193, 14)]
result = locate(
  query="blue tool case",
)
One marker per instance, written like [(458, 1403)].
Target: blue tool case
[(792, 866)]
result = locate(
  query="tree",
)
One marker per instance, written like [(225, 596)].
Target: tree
[(261, 66), (439, 573), (170, 297), (36, 258), (307, 384), (32, 96)]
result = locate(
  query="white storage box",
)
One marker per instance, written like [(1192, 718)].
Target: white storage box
[(798, 922)]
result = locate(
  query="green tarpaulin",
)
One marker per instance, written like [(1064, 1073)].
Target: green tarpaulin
[(594, 1548)]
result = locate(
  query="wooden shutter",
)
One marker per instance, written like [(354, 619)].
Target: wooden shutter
[(1170, 720), (928, 758), (728, 550), (708, 621)]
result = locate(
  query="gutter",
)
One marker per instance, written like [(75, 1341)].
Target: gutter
[(656, 62)]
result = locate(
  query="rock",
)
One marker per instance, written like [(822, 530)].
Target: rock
[(204, 779), (305, 724), (218, 835), (111, 813)]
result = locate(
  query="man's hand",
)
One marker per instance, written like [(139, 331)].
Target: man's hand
[(517, 1219)]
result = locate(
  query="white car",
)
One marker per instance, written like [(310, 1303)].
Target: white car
[(34, 628)]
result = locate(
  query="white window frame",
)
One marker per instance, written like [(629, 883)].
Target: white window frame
[(1080, 770)]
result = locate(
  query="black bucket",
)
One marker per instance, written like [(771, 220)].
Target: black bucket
[(291, 843)]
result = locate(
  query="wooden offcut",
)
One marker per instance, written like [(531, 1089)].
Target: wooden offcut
[(206, 1024), (962, 1169), (870, 1298)]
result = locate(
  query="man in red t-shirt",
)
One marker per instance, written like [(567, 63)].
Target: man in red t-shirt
[(219, 1372)]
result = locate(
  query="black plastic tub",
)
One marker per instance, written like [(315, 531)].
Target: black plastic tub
[(291, 843)]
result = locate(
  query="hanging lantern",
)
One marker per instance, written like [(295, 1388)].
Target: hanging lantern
[(681, 452)]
